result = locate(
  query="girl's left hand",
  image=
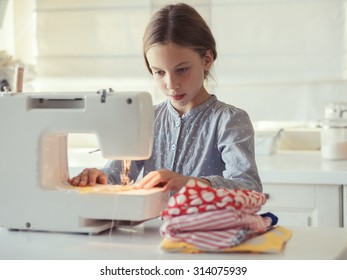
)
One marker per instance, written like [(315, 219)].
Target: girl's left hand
[(169, 180)]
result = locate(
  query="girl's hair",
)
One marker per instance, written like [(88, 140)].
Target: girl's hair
[(180, 24)]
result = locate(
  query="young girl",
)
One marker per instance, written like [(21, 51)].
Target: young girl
[(196, 136)]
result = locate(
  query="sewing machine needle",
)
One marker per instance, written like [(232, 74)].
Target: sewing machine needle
[(125, 179)]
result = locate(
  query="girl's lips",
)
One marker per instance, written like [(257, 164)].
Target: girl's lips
[(177, 97)]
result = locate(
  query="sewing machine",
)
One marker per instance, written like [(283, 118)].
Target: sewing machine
[(35, 193)]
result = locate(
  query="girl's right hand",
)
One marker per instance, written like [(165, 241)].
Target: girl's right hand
[(89, 177)]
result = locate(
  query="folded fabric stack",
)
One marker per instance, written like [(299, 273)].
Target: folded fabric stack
[(200, 218)]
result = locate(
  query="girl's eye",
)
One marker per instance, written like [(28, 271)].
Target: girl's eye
[(159, 73), (182, 70)]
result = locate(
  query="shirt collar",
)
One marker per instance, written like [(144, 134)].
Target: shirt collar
[(194, 110)]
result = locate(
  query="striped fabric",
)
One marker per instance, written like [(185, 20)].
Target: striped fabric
[(215, 230)]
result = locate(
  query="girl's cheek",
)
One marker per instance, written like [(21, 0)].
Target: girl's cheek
[(161, 84)]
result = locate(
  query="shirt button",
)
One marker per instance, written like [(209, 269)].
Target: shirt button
[(173, 147), (178, 123)]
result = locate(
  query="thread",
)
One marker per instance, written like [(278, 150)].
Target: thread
[(19, 75)]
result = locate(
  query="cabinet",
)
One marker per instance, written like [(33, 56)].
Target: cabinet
[(345, 206), (306, 204)]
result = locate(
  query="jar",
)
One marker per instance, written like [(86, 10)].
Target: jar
[(334, 139)]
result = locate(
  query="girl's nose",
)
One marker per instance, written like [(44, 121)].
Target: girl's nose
[(176, 86), (172, 84)]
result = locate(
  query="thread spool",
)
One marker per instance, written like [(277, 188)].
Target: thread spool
[(19, 75)]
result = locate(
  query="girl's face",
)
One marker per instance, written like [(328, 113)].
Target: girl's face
[(179, 74)]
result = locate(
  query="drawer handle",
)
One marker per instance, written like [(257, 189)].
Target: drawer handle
[(267, 195)]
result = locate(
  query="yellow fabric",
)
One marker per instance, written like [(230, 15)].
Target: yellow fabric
[(98, 189), (269, 242)]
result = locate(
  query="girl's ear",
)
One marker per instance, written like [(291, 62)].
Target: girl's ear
[(208, 60)]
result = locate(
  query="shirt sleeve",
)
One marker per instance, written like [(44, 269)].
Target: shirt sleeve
[(236, 146), (113, 170)]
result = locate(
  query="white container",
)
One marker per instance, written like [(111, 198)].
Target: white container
[(334, 139)]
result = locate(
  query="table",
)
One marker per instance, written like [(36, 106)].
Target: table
[(142, 242)]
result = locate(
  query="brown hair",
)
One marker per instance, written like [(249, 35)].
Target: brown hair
[(180, 24)]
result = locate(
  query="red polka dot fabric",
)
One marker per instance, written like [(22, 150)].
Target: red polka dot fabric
[(197, 197)]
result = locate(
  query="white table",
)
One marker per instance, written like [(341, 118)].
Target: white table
[(143, 242)]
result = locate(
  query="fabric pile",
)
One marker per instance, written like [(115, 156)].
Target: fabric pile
[(200, 218)]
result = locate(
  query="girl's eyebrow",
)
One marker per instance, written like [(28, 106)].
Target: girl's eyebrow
[(177, 66), (181, 64), (155, 68)]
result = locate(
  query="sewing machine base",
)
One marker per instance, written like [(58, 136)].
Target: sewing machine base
[(96, 227), (89, 210)]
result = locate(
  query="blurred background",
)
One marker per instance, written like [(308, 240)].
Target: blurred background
[(281, 60)]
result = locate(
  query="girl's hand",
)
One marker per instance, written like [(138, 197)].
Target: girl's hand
[(169, 180), (89, 177)]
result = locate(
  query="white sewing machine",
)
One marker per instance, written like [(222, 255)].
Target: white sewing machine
[(35, 194)]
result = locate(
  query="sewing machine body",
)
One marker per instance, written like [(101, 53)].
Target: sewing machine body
[(34, 164)]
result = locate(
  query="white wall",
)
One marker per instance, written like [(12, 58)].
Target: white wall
[(17, 33), (280, 60), (6, 26)]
